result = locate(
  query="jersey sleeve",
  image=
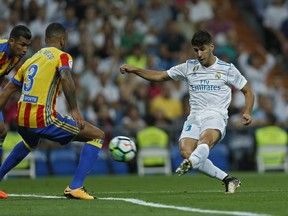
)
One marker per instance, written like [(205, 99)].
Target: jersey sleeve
[(18, 78), (66, 62), (235, 78), (178, 72)]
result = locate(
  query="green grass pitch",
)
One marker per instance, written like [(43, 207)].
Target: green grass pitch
[(192, 194)]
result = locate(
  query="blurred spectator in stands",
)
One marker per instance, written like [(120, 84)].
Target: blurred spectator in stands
[(161, 121), (273, 18), (171, 44), (17, 6), (186, 26), (4, 9), (137, 56), (84, 102), (259, 7), (93, 20), (105, 116), (282, 36), (118, 18), (70, 22), (107, 86), (171, 107), (219, 24), (141, 98), (200, 11), (154, 63), (13, 20), (132, 122), (31, 12), (55, 10), (106, 40), (256, 65), (264, 109), (130, 37), (144, 26), (38, 24), (226, 46), (159, 13), (3, 29), (279, 94)]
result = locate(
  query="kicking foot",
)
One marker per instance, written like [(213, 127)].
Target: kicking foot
[(184, 167)]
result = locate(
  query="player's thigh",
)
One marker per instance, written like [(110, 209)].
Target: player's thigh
[(213, 128), (29, 137), (89, 132), (210, 137)]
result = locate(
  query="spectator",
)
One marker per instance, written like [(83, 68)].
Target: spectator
[(273, 18), (171, 107), (256, 67)]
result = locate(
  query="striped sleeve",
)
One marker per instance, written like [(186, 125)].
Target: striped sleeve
[(66, 62)]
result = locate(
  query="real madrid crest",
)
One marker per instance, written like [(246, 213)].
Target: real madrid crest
[(218, 75)]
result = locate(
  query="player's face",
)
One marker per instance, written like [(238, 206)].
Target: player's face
[(18, 47), (204, 54)]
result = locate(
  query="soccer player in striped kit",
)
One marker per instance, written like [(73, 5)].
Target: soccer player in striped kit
[(11, 52), (40, 79)]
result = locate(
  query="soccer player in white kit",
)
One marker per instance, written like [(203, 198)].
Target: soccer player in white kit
[(210, 80)]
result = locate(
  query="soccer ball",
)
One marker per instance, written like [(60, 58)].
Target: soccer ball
[(122, 149)]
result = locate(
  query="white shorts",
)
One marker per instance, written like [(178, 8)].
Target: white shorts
[(196, 124)]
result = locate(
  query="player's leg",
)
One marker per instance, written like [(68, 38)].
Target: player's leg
[(187, 146), (3, 133), (195, 151), (231, 183), (93, 138), (20, 151), (188, 143)]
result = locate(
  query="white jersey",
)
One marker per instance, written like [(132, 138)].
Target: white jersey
[(209, 87)]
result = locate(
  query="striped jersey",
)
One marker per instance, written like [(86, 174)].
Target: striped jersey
[(209, 87), (39, 79), (6, 63)]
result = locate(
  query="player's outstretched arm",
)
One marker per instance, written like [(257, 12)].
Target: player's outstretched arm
[(249, 102), (8, 90), (151, 75), (68, 87)]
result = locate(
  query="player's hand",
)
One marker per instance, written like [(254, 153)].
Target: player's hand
[(78, 118), (125, 69), (247, 119)]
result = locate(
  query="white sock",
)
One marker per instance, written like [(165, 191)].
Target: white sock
[(199, 155), (211, 170)]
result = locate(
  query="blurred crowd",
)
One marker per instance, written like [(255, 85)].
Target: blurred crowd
[(153, 34)]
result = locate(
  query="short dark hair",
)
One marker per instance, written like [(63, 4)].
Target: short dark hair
[(20, 31), (54, 30), (201, 38)]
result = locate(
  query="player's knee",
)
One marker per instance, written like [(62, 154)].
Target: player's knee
[(101, 135)]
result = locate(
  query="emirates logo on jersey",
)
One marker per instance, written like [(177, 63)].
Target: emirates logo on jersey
[(218, 75)]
